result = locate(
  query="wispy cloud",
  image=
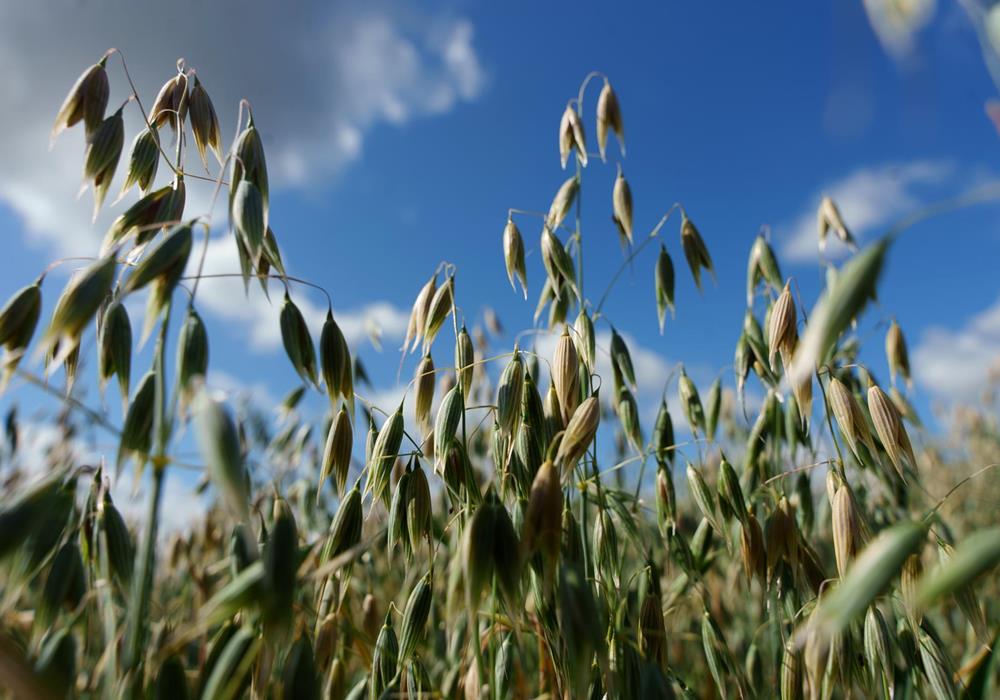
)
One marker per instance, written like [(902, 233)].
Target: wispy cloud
[(954, 364), (868, 198)]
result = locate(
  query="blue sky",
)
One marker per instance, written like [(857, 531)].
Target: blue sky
[(399, 134)]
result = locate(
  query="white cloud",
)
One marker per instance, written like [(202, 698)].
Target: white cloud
[(868, 198), (955, 364), (319, 77)]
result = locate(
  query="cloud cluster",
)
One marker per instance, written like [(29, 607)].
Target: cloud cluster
[(955, 363)]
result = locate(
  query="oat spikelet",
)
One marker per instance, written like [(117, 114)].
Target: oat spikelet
[(571, 136), (828, 217), (846, 531), (621, 199), (566, 375), (781, 332), (609, 115), (513, 255), (890, 429), (896, 353)]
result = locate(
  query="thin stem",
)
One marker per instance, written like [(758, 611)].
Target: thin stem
[(621, 269), (957, 486), (583, 87), (287, 278), (94, 416), (986, 193)]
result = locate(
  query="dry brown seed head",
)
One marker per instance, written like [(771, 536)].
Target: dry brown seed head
[(844, 410), (170, 106), (440, 307), (666, 498), (418, 314), (326, 639), (781, 539), (371, 621), (542, 528), (571, 136), (652, 632), (895, 351), (828, 217), (204, 122), (566, 139), (890, 430), (695, 251), (609, 115), (782, 332), (423, 379), (580, 432), (337, 450), (583, 336), (846, 531), (86, 101), (621, 199), (566, 376), (562, 202), (513, 255)]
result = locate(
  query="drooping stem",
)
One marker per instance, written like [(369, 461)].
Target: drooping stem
[(621, 269), (285, 278)]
